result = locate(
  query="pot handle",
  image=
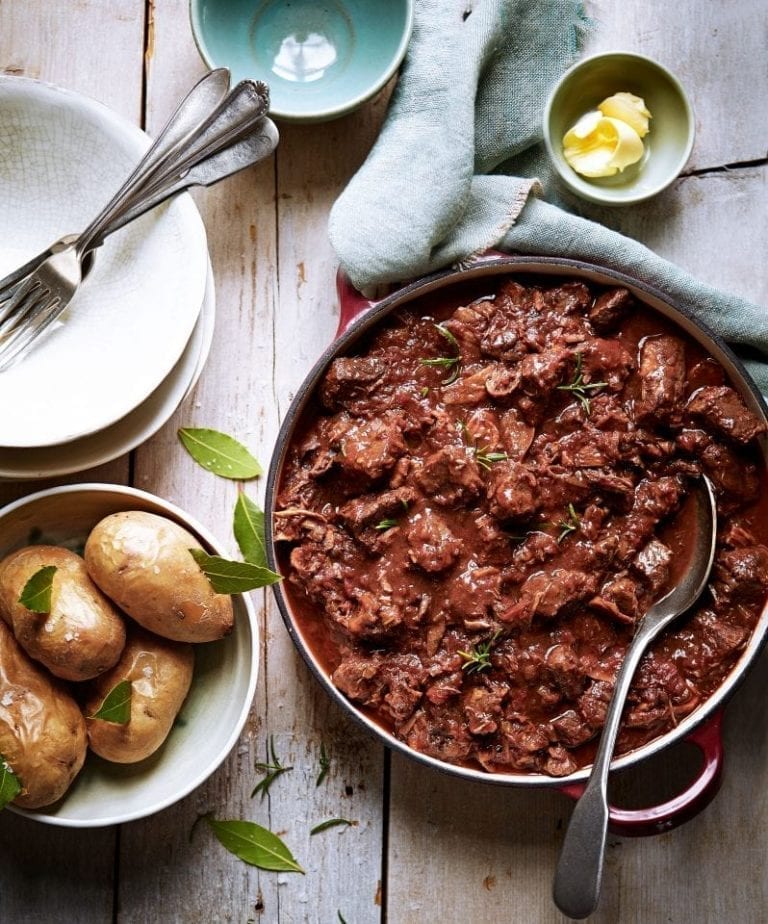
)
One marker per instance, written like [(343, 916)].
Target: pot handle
[(351, 302), (660, 818)]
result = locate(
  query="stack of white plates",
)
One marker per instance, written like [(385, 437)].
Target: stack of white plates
[(135, 337)]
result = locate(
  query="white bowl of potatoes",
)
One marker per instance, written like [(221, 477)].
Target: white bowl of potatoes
[(127, 606)]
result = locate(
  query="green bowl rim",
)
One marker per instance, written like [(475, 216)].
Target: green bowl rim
[(321, 115), (596, 193)]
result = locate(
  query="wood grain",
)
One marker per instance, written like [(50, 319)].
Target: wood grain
[(424, 847), (717, 52), (58, 874)]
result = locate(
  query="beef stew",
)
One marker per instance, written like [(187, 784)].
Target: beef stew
[(486, 502)]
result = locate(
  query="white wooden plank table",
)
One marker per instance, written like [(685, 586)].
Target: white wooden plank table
[(425, 848)]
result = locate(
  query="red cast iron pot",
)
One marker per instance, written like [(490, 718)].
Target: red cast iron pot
[(702, 727)]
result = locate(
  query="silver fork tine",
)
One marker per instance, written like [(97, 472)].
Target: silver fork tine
[(20, 339), (24, 300)]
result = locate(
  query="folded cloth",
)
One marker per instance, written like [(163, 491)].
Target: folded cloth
[(446, 179)]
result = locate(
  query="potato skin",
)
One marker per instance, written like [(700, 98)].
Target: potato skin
[(82, 636), (160, 673), (141, 561), (42, 731)]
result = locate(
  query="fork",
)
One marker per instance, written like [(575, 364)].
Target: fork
[(201, 99), (233, 136)]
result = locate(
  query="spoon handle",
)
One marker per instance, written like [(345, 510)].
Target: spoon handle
[(580, 867), (196, 106)]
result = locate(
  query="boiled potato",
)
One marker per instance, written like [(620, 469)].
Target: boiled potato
[(142, 562), (42, 731), (82, 636), (160, 672)]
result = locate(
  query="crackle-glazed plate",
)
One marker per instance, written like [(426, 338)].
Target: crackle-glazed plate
[(133, 429), (62, 157)]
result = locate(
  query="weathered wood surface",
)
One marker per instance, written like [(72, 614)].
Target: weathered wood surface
[(425, 848)]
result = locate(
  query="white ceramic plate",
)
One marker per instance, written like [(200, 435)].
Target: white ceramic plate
[(62, 157), (223, 685), (132, 430)]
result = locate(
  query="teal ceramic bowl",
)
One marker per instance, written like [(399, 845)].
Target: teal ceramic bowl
[(320, 58), (667, 145)]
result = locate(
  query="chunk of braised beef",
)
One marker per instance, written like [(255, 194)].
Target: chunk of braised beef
[(610, 308), (559, 762), (589, 448), (563, 668), (660, 692), (512, 491), (606, 361), (501, 381), (441, 734), (708, 640), (474, 595), (536, 548), (662, 379), (547, 593), (365, 516), (593, 703), (742, 574), (350, 379), (722, 410), (655, 499), (502, 338), (571, 728), (541, 373), (528, 737), (735, 480), (568, 298), (617, 599), (403, 678), (368, 448), (431, 544), (450, 476), (482, 708), (358, 677), (652, 563)]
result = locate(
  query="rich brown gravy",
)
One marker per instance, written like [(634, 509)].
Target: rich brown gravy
[(537, 702)]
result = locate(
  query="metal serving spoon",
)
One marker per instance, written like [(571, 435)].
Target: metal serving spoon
[(580, 867)]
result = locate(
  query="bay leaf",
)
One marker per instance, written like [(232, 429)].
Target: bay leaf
[(219, 453), (116, 707), (36, 595), (10, 786), (233, 577), (249, 531), (254, 845)]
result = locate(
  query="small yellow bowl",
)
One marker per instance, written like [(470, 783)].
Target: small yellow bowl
[(668, 144)]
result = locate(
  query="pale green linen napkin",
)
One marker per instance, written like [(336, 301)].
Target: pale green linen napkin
[(456, 166)]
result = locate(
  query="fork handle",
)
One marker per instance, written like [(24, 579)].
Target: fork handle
[(206, 95), (231, 120), (230, 160)]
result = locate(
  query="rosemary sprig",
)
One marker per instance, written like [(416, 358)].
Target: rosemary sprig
[(325, 764), (479, 658), (448, 362), (579, 388), (486, 459), (386, 523), (570, 524), (273, 771)]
